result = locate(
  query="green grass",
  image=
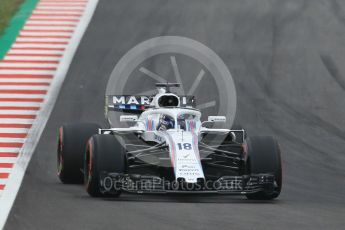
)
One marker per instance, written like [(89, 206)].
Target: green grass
[(7, 9)]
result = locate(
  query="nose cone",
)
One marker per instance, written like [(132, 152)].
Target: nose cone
[(184, 154)]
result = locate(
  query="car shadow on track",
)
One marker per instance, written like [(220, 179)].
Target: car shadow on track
[(188, 198), (168, 198)]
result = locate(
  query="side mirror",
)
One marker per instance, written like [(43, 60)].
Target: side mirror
[(216, 119), (128, 118)]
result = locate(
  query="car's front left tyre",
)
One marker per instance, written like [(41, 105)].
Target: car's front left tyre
[(104, 153)]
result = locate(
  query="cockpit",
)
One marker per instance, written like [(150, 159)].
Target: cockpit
[(184, 120), (187, 122)]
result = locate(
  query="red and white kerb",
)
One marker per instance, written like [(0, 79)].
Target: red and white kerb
[(27, 71)]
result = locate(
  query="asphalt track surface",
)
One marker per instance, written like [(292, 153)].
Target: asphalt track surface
[(286, 58)]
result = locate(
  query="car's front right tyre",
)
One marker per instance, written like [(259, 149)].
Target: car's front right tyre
[(264, 156)]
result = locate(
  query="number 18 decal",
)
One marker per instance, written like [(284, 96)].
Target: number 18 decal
[(186, 146)]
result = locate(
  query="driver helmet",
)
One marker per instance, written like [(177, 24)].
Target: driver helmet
[(165, 123)]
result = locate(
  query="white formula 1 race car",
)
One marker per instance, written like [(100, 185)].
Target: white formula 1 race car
[(168, 149)]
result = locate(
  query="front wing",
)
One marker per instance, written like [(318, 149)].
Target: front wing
[(236, 185)]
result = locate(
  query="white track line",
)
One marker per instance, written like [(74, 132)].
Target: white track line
[(22, 112), (60, 15), (15, 179), (16, 121), (20, 80), (8, 159), (6, 170), (58, 12), (54, 5), (31, 104), (11, 140), (26, 112), (55, 18), (14, 150), (16, 85), (62, 4), (3, 181), (59, 8), (33, 72), (13, 130), (27, 87), (55, 11), (15, 95), (66, 1)]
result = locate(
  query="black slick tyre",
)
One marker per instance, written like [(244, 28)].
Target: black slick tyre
[(264, 156), (72, 141), (104, 153)]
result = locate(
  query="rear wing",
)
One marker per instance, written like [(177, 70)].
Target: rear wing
[(137, 104)]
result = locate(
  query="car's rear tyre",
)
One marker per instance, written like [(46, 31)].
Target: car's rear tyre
[(104, 153), (71, 148), (264, 156)]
